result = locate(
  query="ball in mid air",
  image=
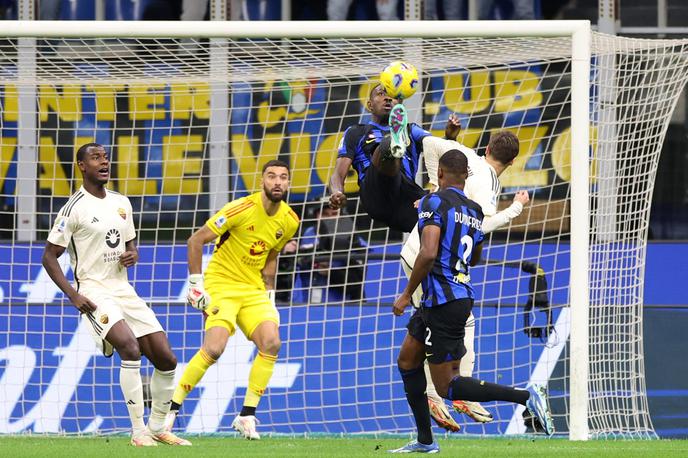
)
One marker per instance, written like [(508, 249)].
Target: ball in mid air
[(400, 80)]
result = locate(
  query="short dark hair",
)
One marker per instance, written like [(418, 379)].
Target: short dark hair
[(372, 89), (276, 163), (83, 150), (503, 146), (454, 162)]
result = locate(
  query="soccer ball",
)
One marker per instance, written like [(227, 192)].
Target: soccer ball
[(400, 80)]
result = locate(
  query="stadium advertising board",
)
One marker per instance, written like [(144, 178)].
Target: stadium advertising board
[(158, 133)]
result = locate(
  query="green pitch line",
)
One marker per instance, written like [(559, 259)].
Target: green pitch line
[(205, 447)]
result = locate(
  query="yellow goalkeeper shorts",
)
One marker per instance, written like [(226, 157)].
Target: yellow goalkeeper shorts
[(234, 304)]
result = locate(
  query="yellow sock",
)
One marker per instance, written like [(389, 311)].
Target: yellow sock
[(258, 378), (193, 374)]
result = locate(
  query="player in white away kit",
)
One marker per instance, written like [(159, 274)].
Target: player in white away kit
[(96, 227), (483, 187)]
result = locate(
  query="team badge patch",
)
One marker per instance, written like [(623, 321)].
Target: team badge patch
[(104, 319), (122, 212), (60, 225), (220, 222), (279, 234)]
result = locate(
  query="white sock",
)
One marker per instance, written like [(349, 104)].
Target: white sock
[(430, 390), (132, 389), (468, 361), (162, 388)]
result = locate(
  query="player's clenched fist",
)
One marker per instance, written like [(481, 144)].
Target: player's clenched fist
[(196, 295)]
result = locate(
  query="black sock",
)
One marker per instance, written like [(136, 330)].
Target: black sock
[(414, 386), (175, 406), (247, 411), (472, 389)]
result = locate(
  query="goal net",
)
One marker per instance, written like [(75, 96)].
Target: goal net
[(189, 122)]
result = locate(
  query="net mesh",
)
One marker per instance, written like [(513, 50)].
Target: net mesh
[(189, 124)]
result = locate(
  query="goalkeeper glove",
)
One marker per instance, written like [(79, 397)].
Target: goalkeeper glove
[(196, 295), (271, 296)]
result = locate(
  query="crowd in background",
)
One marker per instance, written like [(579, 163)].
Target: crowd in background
[(300, 9)]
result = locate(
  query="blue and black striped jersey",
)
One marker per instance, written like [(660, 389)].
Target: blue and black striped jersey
[(359, 143), (460, 222)]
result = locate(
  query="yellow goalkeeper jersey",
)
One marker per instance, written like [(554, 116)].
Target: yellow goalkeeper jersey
[(246, 235)]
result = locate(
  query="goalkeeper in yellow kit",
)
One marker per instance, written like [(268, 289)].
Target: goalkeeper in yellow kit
[(237, 288)]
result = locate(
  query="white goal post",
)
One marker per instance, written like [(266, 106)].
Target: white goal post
[(644, 80)]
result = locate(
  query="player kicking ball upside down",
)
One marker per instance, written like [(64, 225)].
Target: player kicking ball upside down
[(97, 227), (238, 287), (450, 227)]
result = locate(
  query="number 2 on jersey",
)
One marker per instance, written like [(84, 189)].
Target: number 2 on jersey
[(465, 254)]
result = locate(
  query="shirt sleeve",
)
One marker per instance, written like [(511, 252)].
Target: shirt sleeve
[(418, 134), (63, 228), (131, 229), (347, 146), (481, 189), (428, 212), (232, 214)]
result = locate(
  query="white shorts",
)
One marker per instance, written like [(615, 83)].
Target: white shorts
[(114, 306)]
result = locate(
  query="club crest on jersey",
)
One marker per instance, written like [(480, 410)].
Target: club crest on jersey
[(122, 212), (104, 319), (279, 234), (220, 222), (257, 248)]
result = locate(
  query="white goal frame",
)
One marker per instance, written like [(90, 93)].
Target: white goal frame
[(579, 31)]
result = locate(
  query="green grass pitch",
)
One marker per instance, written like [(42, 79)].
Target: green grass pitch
[(277, 447)]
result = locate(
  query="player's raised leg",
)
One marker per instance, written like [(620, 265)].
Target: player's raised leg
[(473, 409), (398, 121), (157, 349), (214, 344), (438, 409)]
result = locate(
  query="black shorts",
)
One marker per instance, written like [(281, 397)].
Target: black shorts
[(389, 200), (441, 329)]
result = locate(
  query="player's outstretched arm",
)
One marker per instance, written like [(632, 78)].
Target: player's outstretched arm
[(341, 168), (499, 219), (52, 267), (453, 127)]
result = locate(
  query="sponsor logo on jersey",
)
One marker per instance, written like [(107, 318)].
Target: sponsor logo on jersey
[(425, 215), (251, 228), (220, 222), (122, 212), (257, 248), (279, 234), (104, 318), (94, 220), (112, 238)]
